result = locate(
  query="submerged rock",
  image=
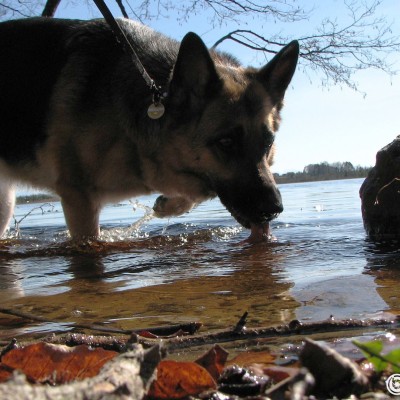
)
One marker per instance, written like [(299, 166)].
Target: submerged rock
[(380, 194)]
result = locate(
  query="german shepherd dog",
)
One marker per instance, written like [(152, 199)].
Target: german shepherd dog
[(73, 119)]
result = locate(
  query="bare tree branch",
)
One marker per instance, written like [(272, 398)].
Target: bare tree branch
[(19, 8), (246, 38), (338, 51), (13, 10), (222, 10)]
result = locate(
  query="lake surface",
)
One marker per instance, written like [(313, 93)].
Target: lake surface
[(194, 268)]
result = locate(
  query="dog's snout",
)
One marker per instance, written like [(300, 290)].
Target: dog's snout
[(272, 205), (276, 208), (278, 202), (254, 202)]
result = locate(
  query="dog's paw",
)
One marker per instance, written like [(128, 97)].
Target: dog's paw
[(169, 207)]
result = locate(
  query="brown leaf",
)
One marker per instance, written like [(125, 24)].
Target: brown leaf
[(278, 373), (176, 380), (333, 373), (214, 361), (43, 362)]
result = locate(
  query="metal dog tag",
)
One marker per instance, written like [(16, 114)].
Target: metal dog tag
[(156, 111)]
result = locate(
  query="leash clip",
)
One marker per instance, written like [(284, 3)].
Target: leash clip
[(156, 109)]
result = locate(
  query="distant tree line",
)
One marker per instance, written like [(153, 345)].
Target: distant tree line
[(323, 172)]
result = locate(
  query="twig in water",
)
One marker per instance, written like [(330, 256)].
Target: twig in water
[(189, 328), (291, 329), (17, 223), (10, 346), (225, 335), (241, 323)]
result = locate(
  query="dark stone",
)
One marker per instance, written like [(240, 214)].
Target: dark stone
[(380, 194)]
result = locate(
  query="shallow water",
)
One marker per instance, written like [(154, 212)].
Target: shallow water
[(193, 268)]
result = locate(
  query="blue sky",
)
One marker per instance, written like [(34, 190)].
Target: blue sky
[(319, 123)]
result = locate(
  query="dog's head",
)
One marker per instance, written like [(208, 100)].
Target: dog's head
[(221, 120)]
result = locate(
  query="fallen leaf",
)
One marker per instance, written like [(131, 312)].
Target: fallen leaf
[(278, 374), (127, 375), (176, 380), (333, 373), (214, 361), (56, 364)]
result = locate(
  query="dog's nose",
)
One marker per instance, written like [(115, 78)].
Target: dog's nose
[(272, 211), (273, 204), (277, 208)]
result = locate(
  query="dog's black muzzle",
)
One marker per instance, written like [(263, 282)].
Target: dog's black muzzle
[(251, 205)]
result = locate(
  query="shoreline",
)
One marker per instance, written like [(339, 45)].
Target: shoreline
[(36, 198), (49, 198)]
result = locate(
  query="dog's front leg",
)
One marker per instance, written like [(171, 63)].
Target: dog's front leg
[(170, 207), (7, 202), (81, 214)]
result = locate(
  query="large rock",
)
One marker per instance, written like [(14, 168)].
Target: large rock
[(380, 194)]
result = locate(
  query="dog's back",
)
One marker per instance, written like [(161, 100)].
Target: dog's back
[(32, 57), (33, 54)]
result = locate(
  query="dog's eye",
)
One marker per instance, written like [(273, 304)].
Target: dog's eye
[(226, 142), (268, 138), (269, 141), (229, 143)]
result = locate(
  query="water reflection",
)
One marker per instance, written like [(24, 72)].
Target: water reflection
[(151, 285), (383, 263), (193, 268)]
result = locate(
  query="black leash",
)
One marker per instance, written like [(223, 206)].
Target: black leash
[(156, 109)]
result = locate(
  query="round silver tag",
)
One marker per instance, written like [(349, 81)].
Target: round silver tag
[(156, 111)]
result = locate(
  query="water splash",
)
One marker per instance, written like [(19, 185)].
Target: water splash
[(132, 232), (319, 207)]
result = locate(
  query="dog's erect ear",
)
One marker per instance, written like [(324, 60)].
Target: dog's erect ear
[(278, 73), (194, 72)]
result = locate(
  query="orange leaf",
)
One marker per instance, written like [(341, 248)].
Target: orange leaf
[(214, 361), (176, 380), (43, 362)]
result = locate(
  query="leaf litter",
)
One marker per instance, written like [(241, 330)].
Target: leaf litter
[(317, 371)]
